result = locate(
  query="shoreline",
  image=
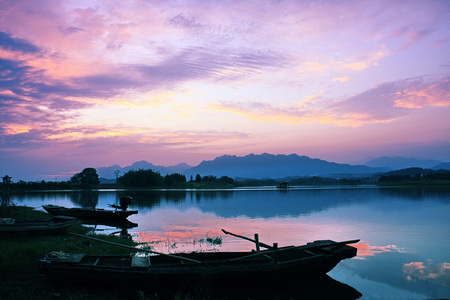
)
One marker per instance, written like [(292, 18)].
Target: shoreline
[(20, 255)]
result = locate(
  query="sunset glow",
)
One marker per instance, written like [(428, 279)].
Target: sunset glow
[(107, 82)]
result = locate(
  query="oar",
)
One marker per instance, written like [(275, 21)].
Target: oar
[(257, 242), (136, 249)]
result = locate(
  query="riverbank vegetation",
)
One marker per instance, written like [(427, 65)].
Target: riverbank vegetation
[(142, 179), (20, 254), (415, 176), (149, 179)]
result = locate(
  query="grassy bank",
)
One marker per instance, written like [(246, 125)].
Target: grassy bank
[(20, 254)]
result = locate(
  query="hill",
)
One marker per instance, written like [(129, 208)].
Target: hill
[(275, 166), (109, 172), (442, 166), (397, 163)]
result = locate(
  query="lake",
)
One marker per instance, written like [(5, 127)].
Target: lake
[(404, 252)]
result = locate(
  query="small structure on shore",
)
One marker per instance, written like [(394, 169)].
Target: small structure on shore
[(283, 185), (6, 179)]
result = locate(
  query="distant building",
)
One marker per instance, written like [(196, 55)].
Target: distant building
[(283, 185), (6, 179)]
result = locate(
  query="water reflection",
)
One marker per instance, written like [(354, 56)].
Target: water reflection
[(404, 231), (420, 271), (6, 199), (274, 288), (101, 225), (86, 199), (263, 203), (365, 250), (407, 272), (439, 193)]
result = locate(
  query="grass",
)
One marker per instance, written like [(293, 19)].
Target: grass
[(20, 254)]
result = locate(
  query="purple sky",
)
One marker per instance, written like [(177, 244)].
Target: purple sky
[(97, 83)]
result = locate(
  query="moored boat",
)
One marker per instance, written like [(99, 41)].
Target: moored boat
[(89, 213), (306, 261), (12, 226)]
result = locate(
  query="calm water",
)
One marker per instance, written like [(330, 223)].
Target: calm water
[(404, 251)]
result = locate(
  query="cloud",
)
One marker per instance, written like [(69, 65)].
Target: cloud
[(391, 100), (35, 154), (201, 63), (66, 65), (29, 99), (7, 42), (420, 93), (383, 103), (341, 79)]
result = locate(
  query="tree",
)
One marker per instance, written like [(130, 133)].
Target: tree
[(117, 172), (226, 180), (198, 178), (87, 178), (142, 178), (174, 179)]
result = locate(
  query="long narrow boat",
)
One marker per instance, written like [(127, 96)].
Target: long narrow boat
[(10, 226), (307, 261), (89, 213)]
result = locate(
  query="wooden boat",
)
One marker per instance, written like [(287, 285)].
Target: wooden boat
[(13, 226), (89, 213), (307, 261)]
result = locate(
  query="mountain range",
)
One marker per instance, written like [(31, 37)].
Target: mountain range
[(110, 172), (396, 163), (276, 166)]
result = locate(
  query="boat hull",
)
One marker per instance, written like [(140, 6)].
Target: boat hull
[(89, 214), (296, 262), (35, 226)]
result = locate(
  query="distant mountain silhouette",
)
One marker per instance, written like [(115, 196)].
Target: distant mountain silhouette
[(108, 172), (396, 163), (442, 166), (275, 166)]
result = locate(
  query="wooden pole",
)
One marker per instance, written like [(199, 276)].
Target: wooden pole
[(248, 239), (136, 249), (257, 242)]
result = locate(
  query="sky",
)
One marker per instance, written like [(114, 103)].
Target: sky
[(97, 83)]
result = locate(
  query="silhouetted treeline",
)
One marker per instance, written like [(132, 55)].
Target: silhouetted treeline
[(151, 179), (88, 179), (141, 178), (414, 175), (38, 185)]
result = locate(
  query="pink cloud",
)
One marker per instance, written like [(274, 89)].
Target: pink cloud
[(420, 271), (365, 249), (423, 94), (383, 103)]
